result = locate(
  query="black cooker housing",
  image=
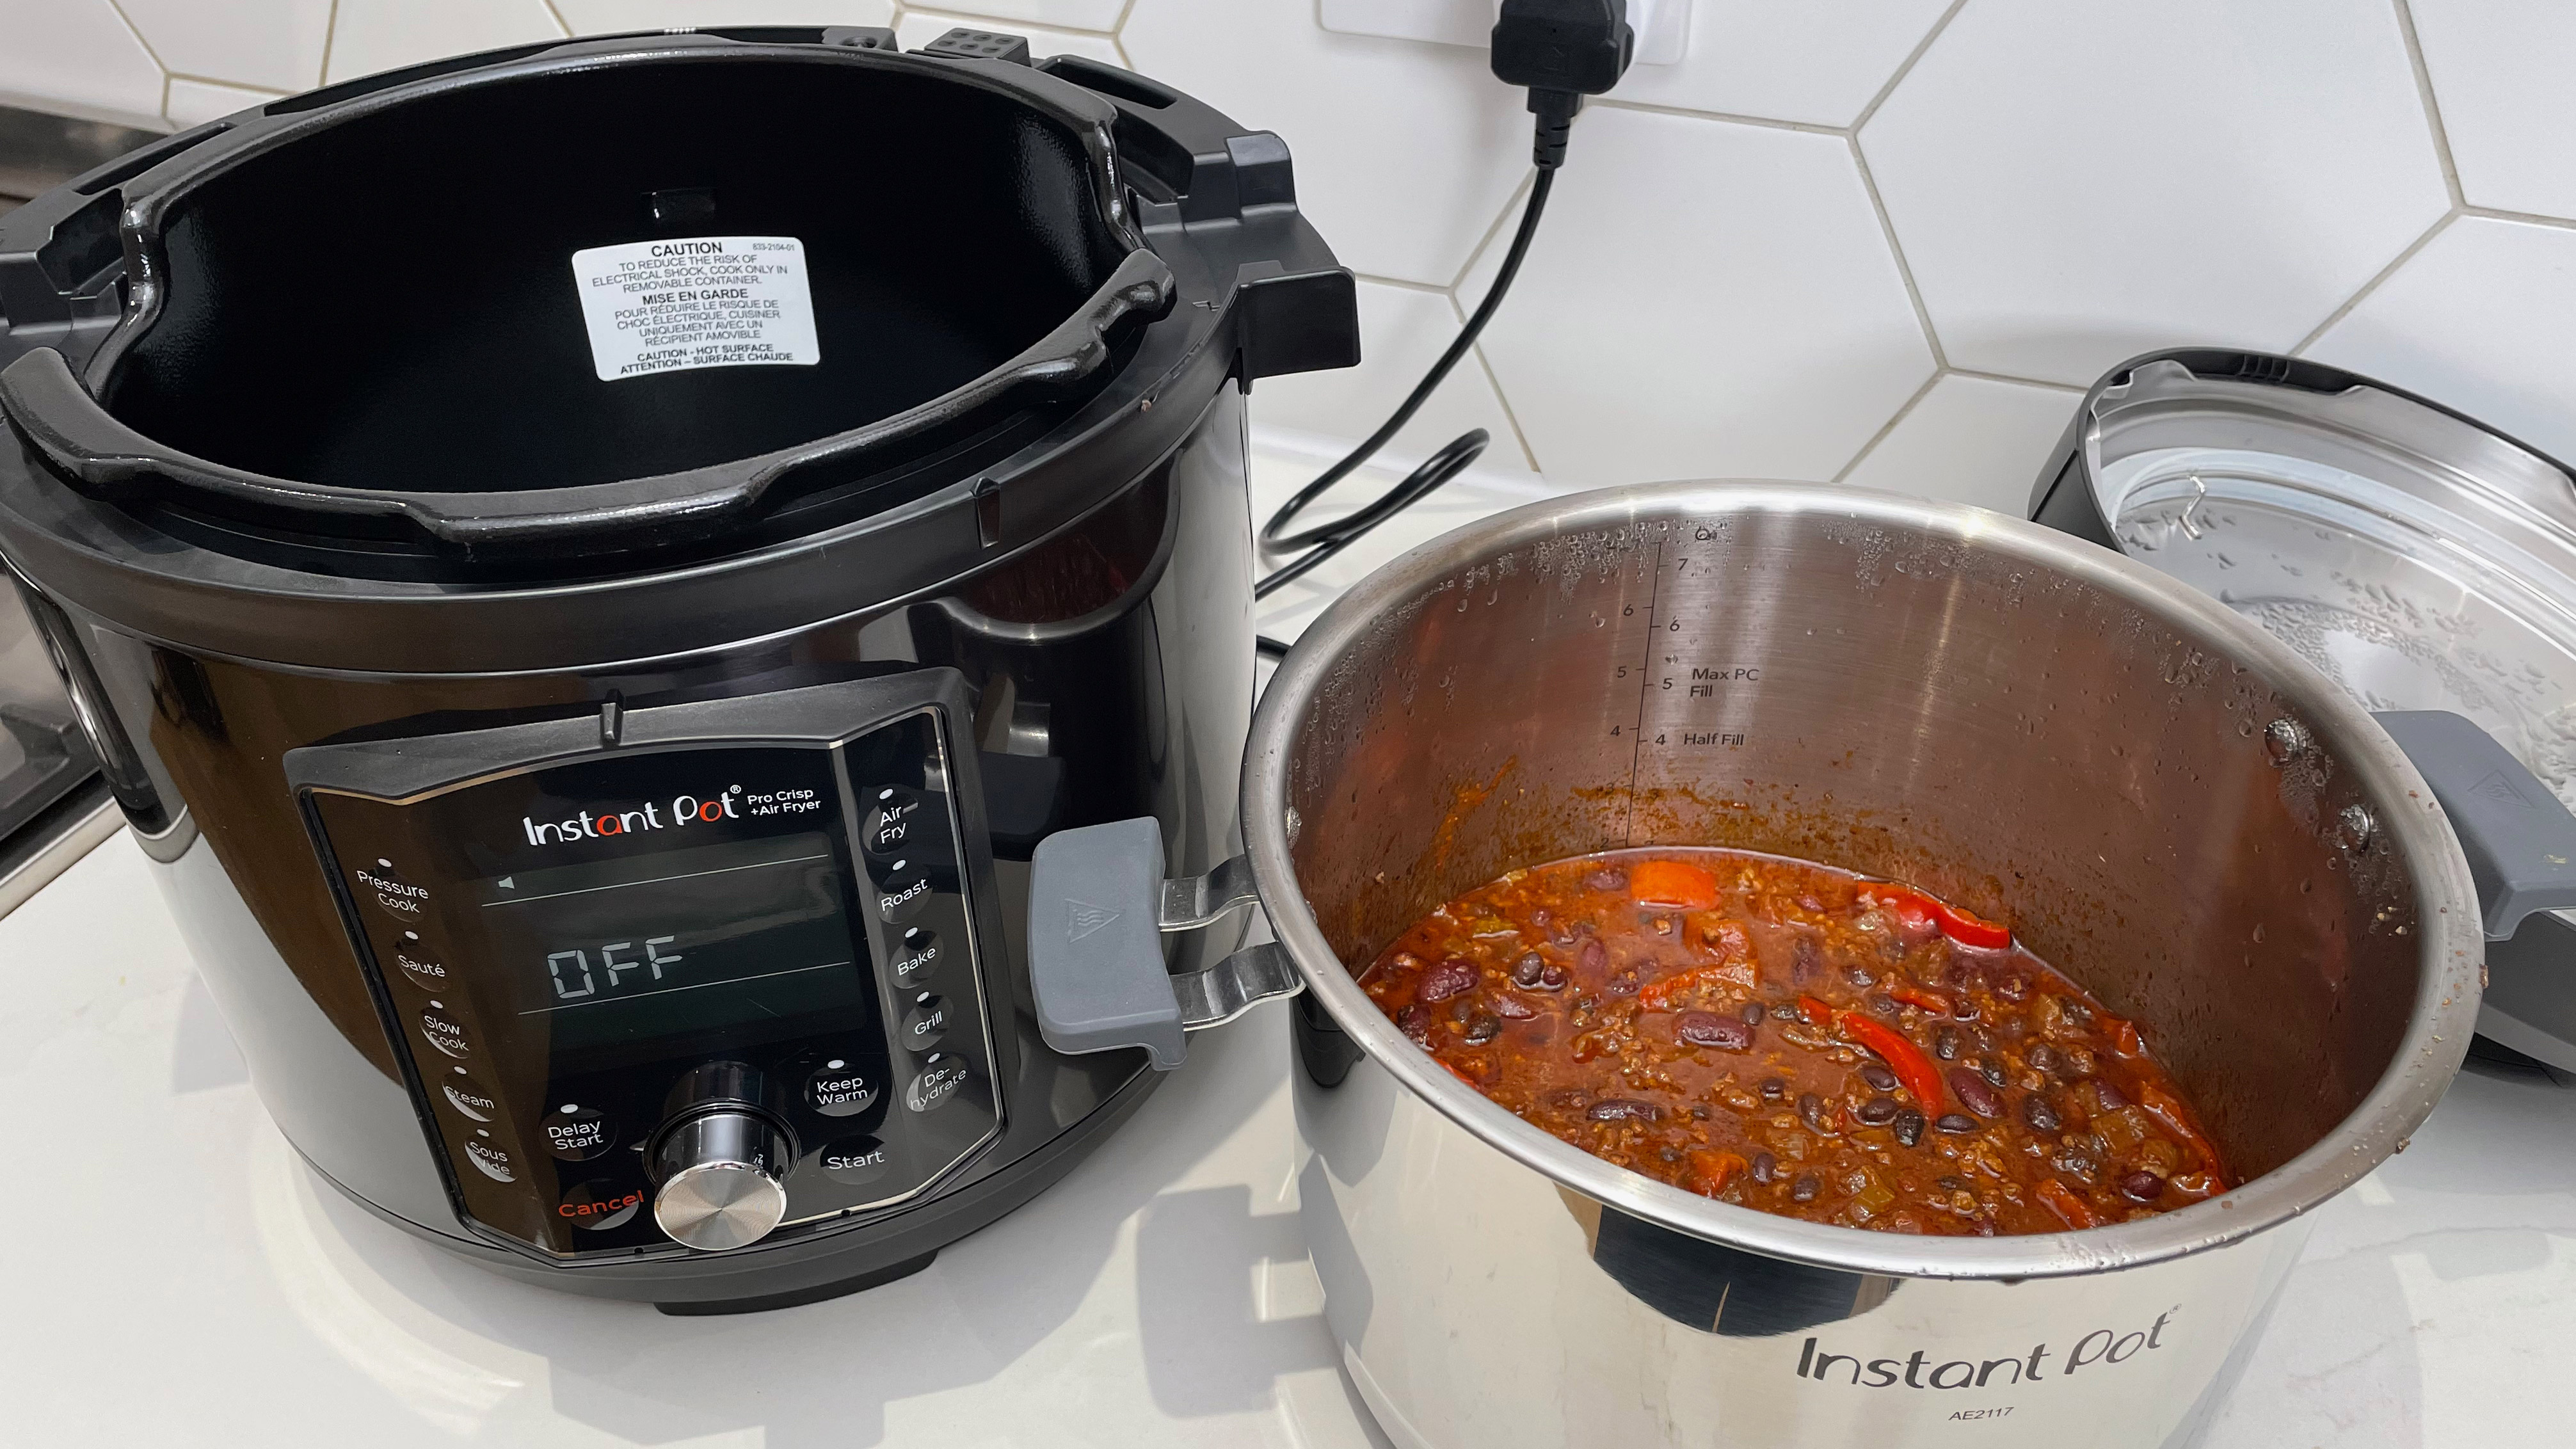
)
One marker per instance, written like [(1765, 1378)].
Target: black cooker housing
[(345, 554)]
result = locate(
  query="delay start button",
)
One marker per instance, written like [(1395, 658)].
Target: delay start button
[(577, 1133), (840, 1090)]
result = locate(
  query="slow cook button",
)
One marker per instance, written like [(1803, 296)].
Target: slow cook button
[(444, 1032), (392, 893), (576, 1133), (916, 955), (925, 1023), (939, 1080), (599, 1204), (903, 892), (840, 1090), (892, 813), (855, 1161)]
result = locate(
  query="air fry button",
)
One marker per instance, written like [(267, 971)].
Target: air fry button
[(903, 891), (444, 1032), (386, 887), (893, 814)]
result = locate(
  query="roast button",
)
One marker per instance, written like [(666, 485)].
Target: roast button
[(903, 891)]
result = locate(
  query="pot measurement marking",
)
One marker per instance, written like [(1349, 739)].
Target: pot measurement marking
[(1689, 685)]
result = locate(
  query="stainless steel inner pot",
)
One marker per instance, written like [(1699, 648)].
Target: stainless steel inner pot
[(2162, 799)]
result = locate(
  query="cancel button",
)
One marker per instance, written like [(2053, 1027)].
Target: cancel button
[(855, 1161)]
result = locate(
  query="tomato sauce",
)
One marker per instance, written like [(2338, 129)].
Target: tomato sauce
[(1794, 1038)]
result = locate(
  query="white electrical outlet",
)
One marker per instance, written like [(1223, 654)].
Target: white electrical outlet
[(1662, 26)]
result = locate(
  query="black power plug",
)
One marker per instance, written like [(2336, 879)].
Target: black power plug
[(1562, 50)]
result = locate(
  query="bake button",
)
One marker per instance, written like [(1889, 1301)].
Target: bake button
[(444, 1032), (840, 1090), (467, 1096), (392, 893), (939, 1080), (425, 972), (916, 955), (599, 1204), (854, 1161), (576, 1133), (893, 811), (902, 892), (925, 1023), (494, 1162)]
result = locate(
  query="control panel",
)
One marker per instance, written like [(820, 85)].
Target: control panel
[(675, 988)]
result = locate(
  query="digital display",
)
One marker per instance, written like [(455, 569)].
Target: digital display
[(700, 939)]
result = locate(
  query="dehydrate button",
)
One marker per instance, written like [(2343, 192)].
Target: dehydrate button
[(939, 1080)]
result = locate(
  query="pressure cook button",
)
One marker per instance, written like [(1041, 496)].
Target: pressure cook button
[(855, 1161), (444, 1032), (925, 1023), (599, 1204), (427, 974), (893, 812), (577, 1133), (903, 891), (840, 1090), (397, 897), (467, 1096), (939, 1080), (916, 954), (493, 1162)]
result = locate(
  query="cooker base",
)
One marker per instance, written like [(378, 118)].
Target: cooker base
[(873, 1278)]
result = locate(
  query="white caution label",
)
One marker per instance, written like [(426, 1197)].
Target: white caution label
[(710, 301)]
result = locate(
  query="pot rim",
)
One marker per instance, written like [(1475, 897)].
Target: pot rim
[(2451, 945)]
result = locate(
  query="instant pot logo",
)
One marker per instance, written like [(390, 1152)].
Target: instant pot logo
[(681, 810), (2093, 1351)]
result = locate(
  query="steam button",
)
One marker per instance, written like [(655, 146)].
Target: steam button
[(444, 1032), (926, 1022), (577, 1133), (840, 1090), (467, 1096)]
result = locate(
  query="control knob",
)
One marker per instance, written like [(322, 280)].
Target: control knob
[(720, 1185)]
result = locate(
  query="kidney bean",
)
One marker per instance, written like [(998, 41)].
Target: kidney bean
[(1527, 970), (1551, 979), (1607, 880), (1454, 976), (1877, 1111), (1772, 1089), (1707, 1029), (1415, 1022), (1956, 1122), (1975, 1093), (1765, 1167), (2111, 1097), (2142, 1187), (1909, 1127), (1752, 1013), (1945, 1044), (1593, 959), (1811, 1110), (1880, 1079), (2041, 1116), (1804, 1189), (1482, 1028), (1621, 1109)]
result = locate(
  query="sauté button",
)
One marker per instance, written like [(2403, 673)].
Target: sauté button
[(916, 954), (577, 1133), (378, 881), (855, 1161), (444, 1032), (903, 891), (467, 1096), (925, 1023), (939, 1080), (426, 973), (599, 1204), (892, 813), (840, 1090), (494, 1162)]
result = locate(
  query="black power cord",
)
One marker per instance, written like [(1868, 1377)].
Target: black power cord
[(1562, 50)]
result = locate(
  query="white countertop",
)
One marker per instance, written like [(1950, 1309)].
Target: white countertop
[(174, 1276)]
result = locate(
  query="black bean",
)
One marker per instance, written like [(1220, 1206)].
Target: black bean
[(1698, 1113), (1765, 1167), (1804, 1189), (1951, 1182), (2142, 1187), (1945, 1044), (1909, 1127), (1811, 1110), (1568, 1098), (2076, 1012), (1965, 1009), (1668, 1154), (1482, 1028), (1527, 970), (1859, 976), (2076, 1162), (1975, 1094), (1880, 1079), (1552, 978), (2111, 1097), (1877, 1111), (1620, 1109), (1992, 1071), (2043, 1058), (2036, 1111), (1804, 958), (1752, 1013), (1772, 1089), (1452, 977), (1415, 1022), (1882, 1004), (1952, 1122), (1607, 880), (1707, 1029), (1460, 1010)]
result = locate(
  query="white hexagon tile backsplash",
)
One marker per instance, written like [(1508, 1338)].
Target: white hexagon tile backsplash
[(1881, 240)]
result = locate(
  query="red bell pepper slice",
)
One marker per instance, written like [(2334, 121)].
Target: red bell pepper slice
[(1710, 1172), (1922, 996), (1815, 1013), (1903, 1057), (2070, 1207), (1915, 910), (2176, 1118), (1672, 883)]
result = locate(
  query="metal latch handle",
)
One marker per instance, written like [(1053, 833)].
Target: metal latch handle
[(1098, 909)]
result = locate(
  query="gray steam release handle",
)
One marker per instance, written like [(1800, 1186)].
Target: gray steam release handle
[(1098, 909), (2518, 836)]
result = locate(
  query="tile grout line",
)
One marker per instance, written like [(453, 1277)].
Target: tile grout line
[(2527, 218), (330, 37), (1724, 118), (230, 85), (1400, 282), (2300, 348), (154, 56), (1885, 428), (1502, 399), (2432, 106), (556, 13), (1896, 253), (1476, 253), (1981, 375), (1905, 67)]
